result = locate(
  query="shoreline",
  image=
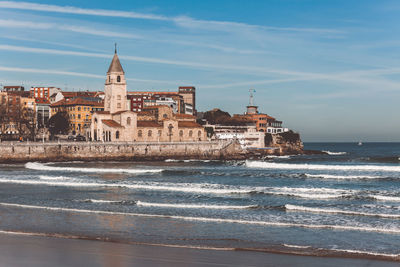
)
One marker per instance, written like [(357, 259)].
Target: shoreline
[(279, 251), (58, 250)]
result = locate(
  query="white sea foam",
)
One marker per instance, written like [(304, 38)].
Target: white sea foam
[(337, 211), (54, 178), (43, 167), (295, 246), (334, 153), (330, 176), (214, 220), (386, 198), (367, 253), (189, 160), (102, 201), (289, 166), (277, 157), (202, 188), (192, 206)]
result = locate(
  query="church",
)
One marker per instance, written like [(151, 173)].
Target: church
[(153, 124)]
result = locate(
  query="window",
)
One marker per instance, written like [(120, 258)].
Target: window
[(95, 120), (79, 116), (109, 78), (118, 97), (118, 79), (159, 132), (128, 121), (190, 133), (180, 133), (139, 133), (117, 135), (199, 134), (149, 133), (165, 116), (118, 105)]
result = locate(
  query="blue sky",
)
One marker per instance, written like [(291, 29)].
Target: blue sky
[(328, 69)]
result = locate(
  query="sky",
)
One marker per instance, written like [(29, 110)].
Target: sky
[(329, 70)]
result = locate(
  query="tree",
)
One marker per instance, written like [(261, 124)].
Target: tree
[(59, 123)]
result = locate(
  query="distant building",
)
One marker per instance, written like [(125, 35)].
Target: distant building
[(125, 118), (248, 136), (13, 88), (79, 111), (43, 92)]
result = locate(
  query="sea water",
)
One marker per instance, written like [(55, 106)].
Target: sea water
[(344, 202)]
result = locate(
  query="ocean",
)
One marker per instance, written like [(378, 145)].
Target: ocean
[(345, 203)]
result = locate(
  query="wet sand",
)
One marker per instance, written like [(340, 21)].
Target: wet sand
[(23, 250)]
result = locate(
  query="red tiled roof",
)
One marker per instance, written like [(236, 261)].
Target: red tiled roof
[(103, 112), (112, 123), (144, 113), (76, 102), (148, 124), (188, 124)]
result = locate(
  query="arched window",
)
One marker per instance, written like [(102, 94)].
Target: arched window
[(181, 133), (118, 97), (118, 79), (159, 132), (190, 133), (117, 135), (109, 79), (199, 134), (149, 133), (139, 133), (128, 121), (118, 105), (95, 120), (165, 116)]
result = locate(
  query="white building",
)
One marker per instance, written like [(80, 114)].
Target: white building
[(247, 136)]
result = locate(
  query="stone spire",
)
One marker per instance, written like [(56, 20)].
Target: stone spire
[(115, 65)]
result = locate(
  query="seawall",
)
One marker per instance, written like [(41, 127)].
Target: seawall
[(97, 151)]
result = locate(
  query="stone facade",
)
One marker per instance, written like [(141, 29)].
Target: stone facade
[(153, 124)]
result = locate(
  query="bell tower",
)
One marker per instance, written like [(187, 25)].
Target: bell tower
[(115, 87)]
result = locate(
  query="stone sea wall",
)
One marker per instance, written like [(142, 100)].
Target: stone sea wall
[(92, 151)]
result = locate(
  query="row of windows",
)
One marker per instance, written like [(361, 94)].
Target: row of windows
[(149, 133)]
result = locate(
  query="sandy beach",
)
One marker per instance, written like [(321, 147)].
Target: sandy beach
[(25, 250)]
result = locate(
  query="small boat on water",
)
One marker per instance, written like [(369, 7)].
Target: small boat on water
[(360, 143)]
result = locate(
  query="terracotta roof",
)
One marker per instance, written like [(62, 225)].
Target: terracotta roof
[(102, 112), (119, 112), (115, 65), (112, 123), (148, 124), (78, 101), (188, 124)]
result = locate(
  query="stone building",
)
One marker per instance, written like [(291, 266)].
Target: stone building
[(156, 123)]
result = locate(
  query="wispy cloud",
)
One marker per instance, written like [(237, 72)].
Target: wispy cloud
[(191, 64), (77, 10), (183, 21), (77, 74)]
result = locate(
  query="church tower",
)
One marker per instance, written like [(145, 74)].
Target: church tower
[(115, 87)]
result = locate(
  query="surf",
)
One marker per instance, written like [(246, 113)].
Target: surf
[(43, 167)]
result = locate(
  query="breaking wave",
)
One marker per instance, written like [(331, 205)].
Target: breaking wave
[(101, 201), (385, 198), (334, 153), (43, 167), (193, 206), (330, 176), (337, 211), (273, 165), (214, 220), (205, 188)]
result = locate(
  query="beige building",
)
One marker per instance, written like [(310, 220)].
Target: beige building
[(156, 123)]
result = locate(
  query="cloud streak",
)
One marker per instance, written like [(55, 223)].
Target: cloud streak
[(182, 21), (76, 74)]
